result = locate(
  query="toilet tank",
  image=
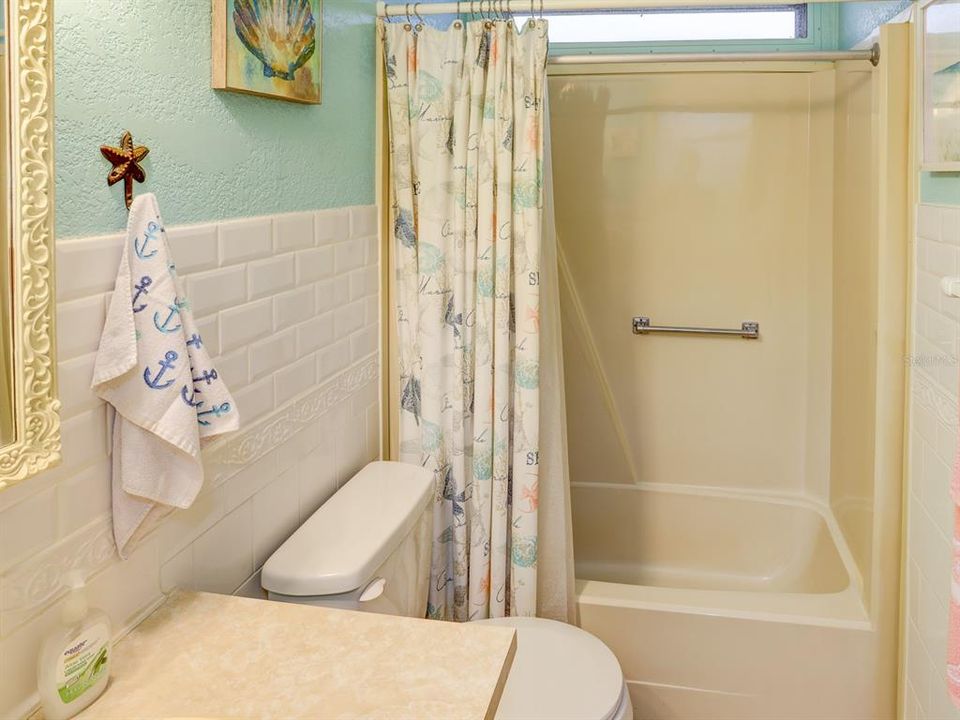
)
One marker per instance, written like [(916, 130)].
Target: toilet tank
[(367, 548)]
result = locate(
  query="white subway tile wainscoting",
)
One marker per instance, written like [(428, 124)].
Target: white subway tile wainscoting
[(288, 306), (935, 370)]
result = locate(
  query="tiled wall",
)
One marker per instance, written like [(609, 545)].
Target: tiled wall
[(933, 438), (289, 306)]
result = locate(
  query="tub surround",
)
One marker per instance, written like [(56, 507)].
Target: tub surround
[(795, 438), (664, 537), (720, 604), (256, 658)]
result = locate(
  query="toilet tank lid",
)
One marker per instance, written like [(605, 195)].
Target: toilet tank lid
[(339, 547)]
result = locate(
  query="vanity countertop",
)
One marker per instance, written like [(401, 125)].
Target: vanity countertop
[(203, 655)]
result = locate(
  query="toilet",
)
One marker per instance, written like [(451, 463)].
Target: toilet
[(368, 549), (561, 672)]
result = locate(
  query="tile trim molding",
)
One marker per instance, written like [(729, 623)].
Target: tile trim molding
[(32, 586), (226, 457), (38, 581)]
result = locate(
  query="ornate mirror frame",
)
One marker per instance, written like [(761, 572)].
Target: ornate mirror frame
[(36, 409)]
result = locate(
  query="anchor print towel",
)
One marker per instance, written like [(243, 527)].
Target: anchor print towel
[(154, 369)]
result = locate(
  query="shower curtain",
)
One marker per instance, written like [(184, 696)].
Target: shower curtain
[(467, 115)]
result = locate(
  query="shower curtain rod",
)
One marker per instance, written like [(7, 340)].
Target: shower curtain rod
[(414, 10), (536, 7)]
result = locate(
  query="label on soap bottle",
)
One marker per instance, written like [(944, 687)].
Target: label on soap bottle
[(83, 663)]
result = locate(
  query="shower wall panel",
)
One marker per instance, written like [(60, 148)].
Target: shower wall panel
[(696, 198)]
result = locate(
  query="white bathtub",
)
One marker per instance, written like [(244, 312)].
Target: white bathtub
[(724, 605)]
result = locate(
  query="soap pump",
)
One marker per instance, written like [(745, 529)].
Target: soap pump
[(74, 663)]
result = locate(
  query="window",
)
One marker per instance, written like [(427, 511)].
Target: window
[(784, 22)]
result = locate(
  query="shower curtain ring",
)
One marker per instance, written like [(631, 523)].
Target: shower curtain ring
[(416, 13), (407, 10), (541, 9)]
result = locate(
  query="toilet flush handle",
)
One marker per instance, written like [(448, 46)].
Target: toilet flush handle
[(373, 590)]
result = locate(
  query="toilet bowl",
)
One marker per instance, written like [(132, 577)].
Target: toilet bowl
[(368, 549), (561, 672)]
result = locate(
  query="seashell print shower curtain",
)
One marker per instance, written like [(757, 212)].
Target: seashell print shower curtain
[(466, 108)]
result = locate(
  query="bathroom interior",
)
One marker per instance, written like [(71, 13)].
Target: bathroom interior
[(587, 359)]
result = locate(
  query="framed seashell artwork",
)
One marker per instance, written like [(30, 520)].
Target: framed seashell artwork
[(268, 47)]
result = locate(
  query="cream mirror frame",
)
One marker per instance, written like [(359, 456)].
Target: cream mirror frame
[(29, 226)]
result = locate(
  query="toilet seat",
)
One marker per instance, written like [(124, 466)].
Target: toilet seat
[(561, 672)]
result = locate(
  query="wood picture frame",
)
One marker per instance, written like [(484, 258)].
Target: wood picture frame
[(269, 48)]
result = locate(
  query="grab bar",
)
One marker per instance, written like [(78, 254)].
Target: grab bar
[(748, 330)]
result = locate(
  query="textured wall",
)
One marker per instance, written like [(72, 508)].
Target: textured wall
[(145, 66), (940, 188), (858, 19), (933, 435)]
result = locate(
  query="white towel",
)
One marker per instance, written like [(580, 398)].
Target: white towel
[(154, 369)]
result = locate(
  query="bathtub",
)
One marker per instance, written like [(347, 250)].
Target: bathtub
[(724, 604)]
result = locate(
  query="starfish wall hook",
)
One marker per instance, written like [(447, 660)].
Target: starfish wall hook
[(126, 164)]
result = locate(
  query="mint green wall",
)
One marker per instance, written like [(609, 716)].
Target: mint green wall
[(144, 65), (856, 20), (940, 188)]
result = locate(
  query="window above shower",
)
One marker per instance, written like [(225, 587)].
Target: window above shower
[(762, 28), (780, 22)]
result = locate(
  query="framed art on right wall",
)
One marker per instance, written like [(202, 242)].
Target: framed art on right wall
[(941, 86)]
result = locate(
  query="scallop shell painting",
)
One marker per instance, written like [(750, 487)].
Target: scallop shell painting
[(268, 47)]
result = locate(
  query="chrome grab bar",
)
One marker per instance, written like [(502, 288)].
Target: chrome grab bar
[(748, 330)]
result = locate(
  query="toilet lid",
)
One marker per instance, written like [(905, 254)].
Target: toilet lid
[(559, 671)]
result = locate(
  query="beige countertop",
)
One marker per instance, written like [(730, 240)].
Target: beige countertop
[(218, 656)]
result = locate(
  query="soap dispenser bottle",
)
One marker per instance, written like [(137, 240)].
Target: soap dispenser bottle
[(74, 663)]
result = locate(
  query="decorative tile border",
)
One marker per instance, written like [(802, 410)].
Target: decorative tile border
[(30, 587), (228, 456)]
